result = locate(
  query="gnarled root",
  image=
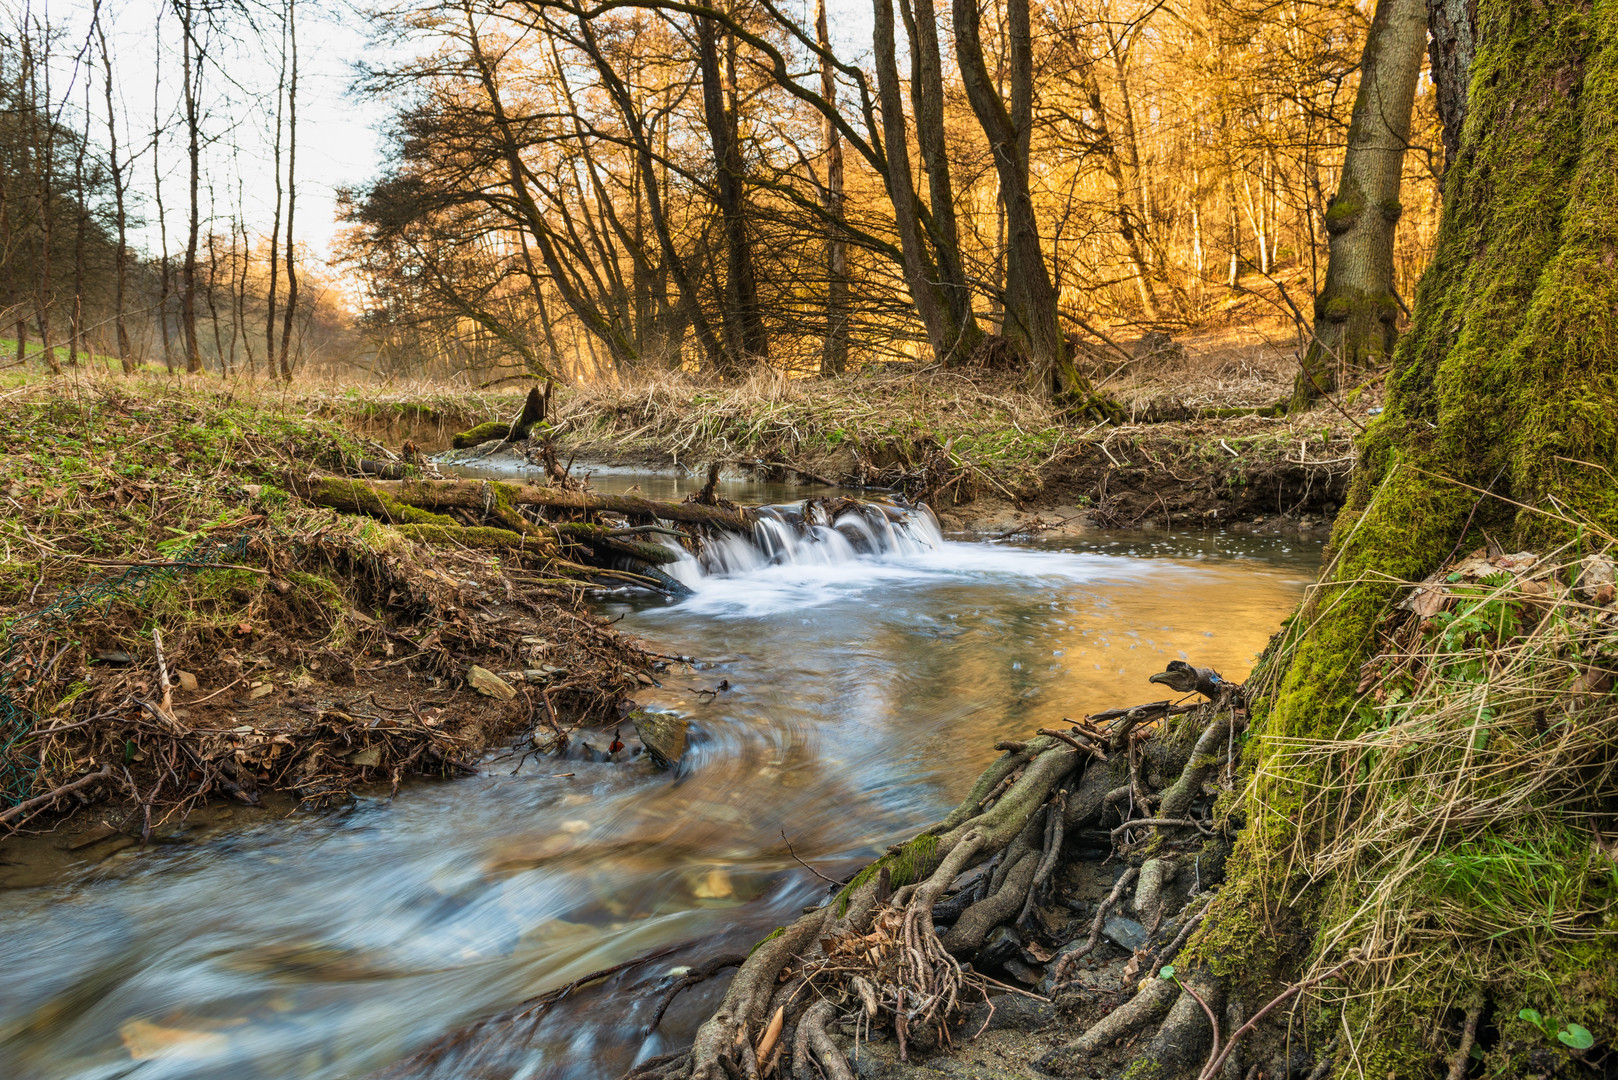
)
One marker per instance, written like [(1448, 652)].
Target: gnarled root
[(875, 952), (1154, 998), (813, 1037), (908, 971)]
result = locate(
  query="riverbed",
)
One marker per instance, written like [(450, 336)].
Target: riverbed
[(842, 703)]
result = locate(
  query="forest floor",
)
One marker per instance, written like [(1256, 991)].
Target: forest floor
[(176, 626)]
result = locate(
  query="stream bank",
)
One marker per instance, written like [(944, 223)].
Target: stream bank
[(984, 457), (180, 626)]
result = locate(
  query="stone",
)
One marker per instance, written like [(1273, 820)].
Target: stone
[(667, 737), (534, 675), (1125, 933), (371, 755), (1024, 973), (188, 681), (489, 684), (1011, 1011), (258, 690)]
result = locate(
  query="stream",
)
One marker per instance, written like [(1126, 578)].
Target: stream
[(866, 678)]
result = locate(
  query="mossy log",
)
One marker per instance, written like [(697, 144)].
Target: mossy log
[(601, 537), (483, 537), (484, 496)]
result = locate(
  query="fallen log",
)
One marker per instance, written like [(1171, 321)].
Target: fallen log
[(485, 496)]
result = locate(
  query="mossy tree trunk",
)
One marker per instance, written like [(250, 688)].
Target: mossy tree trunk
[(1356, 313), (1502, 418)]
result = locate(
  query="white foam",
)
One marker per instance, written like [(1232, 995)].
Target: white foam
[(796, 559)]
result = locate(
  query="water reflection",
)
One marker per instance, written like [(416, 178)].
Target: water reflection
[(863, 697)]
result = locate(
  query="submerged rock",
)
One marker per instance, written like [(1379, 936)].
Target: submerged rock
[(667, 737)]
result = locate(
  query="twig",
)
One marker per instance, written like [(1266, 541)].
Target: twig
[(1463, 1056), (1214, 1064), (166, 702), (1084, 950), (805, 865), (1075, 743), (40, 800), (1138, 822), (213, 695)]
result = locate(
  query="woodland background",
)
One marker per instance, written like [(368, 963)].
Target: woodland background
[(604, 193)]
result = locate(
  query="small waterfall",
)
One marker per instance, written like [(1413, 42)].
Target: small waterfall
[(812, 533)]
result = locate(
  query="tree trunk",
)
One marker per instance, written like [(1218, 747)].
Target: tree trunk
[(744, 323), (1031, 307), (292, 197), (834, 346), (927, 101), (42, 129), (275, 221), (944, 334), (120, 269), (190, 70), (1500, 423), (1355, 313), (1450, 50)]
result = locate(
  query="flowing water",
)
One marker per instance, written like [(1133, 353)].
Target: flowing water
[(868, 671)]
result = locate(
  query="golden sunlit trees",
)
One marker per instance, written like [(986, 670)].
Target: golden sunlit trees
[(713, 185)]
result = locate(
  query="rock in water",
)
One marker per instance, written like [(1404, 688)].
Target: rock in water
[(489, 684), (666, 736)]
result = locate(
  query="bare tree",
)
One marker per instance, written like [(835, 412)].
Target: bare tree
[(834, 350), (292, 194), (120, 187), (191, 57)]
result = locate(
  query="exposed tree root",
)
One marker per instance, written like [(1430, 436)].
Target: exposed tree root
[(880, 959), (1153, 1000)]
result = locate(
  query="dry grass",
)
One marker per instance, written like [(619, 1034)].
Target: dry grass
[(1466, 836)]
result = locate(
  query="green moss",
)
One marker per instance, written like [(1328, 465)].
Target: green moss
[(473, 536), (1342, 214), (771, 936), (1391, 209), (910, 864), (483, 433), (1144, 1068)]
